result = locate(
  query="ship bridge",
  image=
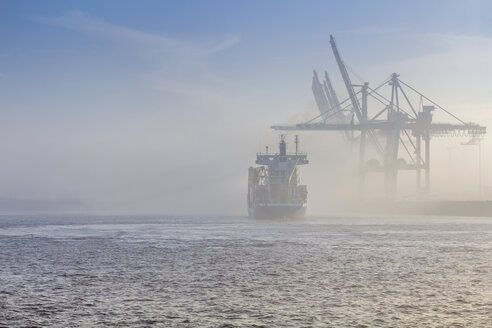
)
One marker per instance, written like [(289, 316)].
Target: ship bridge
[(296, 158)]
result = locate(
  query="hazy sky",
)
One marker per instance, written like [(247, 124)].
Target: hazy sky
[(160, 106)]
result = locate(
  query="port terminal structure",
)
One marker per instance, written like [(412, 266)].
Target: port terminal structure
[(400, 132)]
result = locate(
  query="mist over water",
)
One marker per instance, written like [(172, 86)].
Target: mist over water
[(153, 111), (60, 271), (106, 110)]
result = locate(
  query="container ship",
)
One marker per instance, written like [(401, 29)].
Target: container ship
[(273, 186)]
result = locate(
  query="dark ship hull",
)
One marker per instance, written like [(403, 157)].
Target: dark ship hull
[(278, 211)]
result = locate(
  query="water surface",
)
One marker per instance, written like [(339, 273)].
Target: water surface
[(163, 271)]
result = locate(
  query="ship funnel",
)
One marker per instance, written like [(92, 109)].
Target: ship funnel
[(282, 146)]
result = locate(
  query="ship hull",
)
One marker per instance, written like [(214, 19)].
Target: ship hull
[(278, 211)]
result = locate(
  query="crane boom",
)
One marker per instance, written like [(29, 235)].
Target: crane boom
[(331, 93), (323, 103), (351, 92), (346, 79), (333, 104), (339, 116)]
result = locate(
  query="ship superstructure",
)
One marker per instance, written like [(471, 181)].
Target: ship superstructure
[(273, 187)]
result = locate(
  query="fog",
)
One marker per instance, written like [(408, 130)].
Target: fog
[(99, 114)]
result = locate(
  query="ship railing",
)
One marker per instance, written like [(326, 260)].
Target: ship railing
[(278, 154)]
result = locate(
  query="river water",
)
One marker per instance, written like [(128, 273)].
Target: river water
[(136, 271)]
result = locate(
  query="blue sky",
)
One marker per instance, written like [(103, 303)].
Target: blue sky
[(141, 105)]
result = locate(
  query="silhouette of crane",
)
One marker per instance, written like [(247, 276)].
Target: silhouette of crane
[(396, 131)]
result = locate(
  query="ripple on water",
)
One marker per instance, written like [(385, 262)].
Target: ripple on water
[(233, 272)]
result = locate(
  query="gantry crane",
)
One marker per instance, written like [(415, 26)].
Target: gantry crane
[(399, 128)]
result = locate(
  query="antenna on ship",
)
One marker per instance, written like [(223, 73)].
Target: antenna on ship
[(296, 140)]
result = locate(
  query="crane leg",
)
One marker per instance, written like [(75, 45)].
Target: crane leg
[(419, 162), (362, 170), (427, 163)]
